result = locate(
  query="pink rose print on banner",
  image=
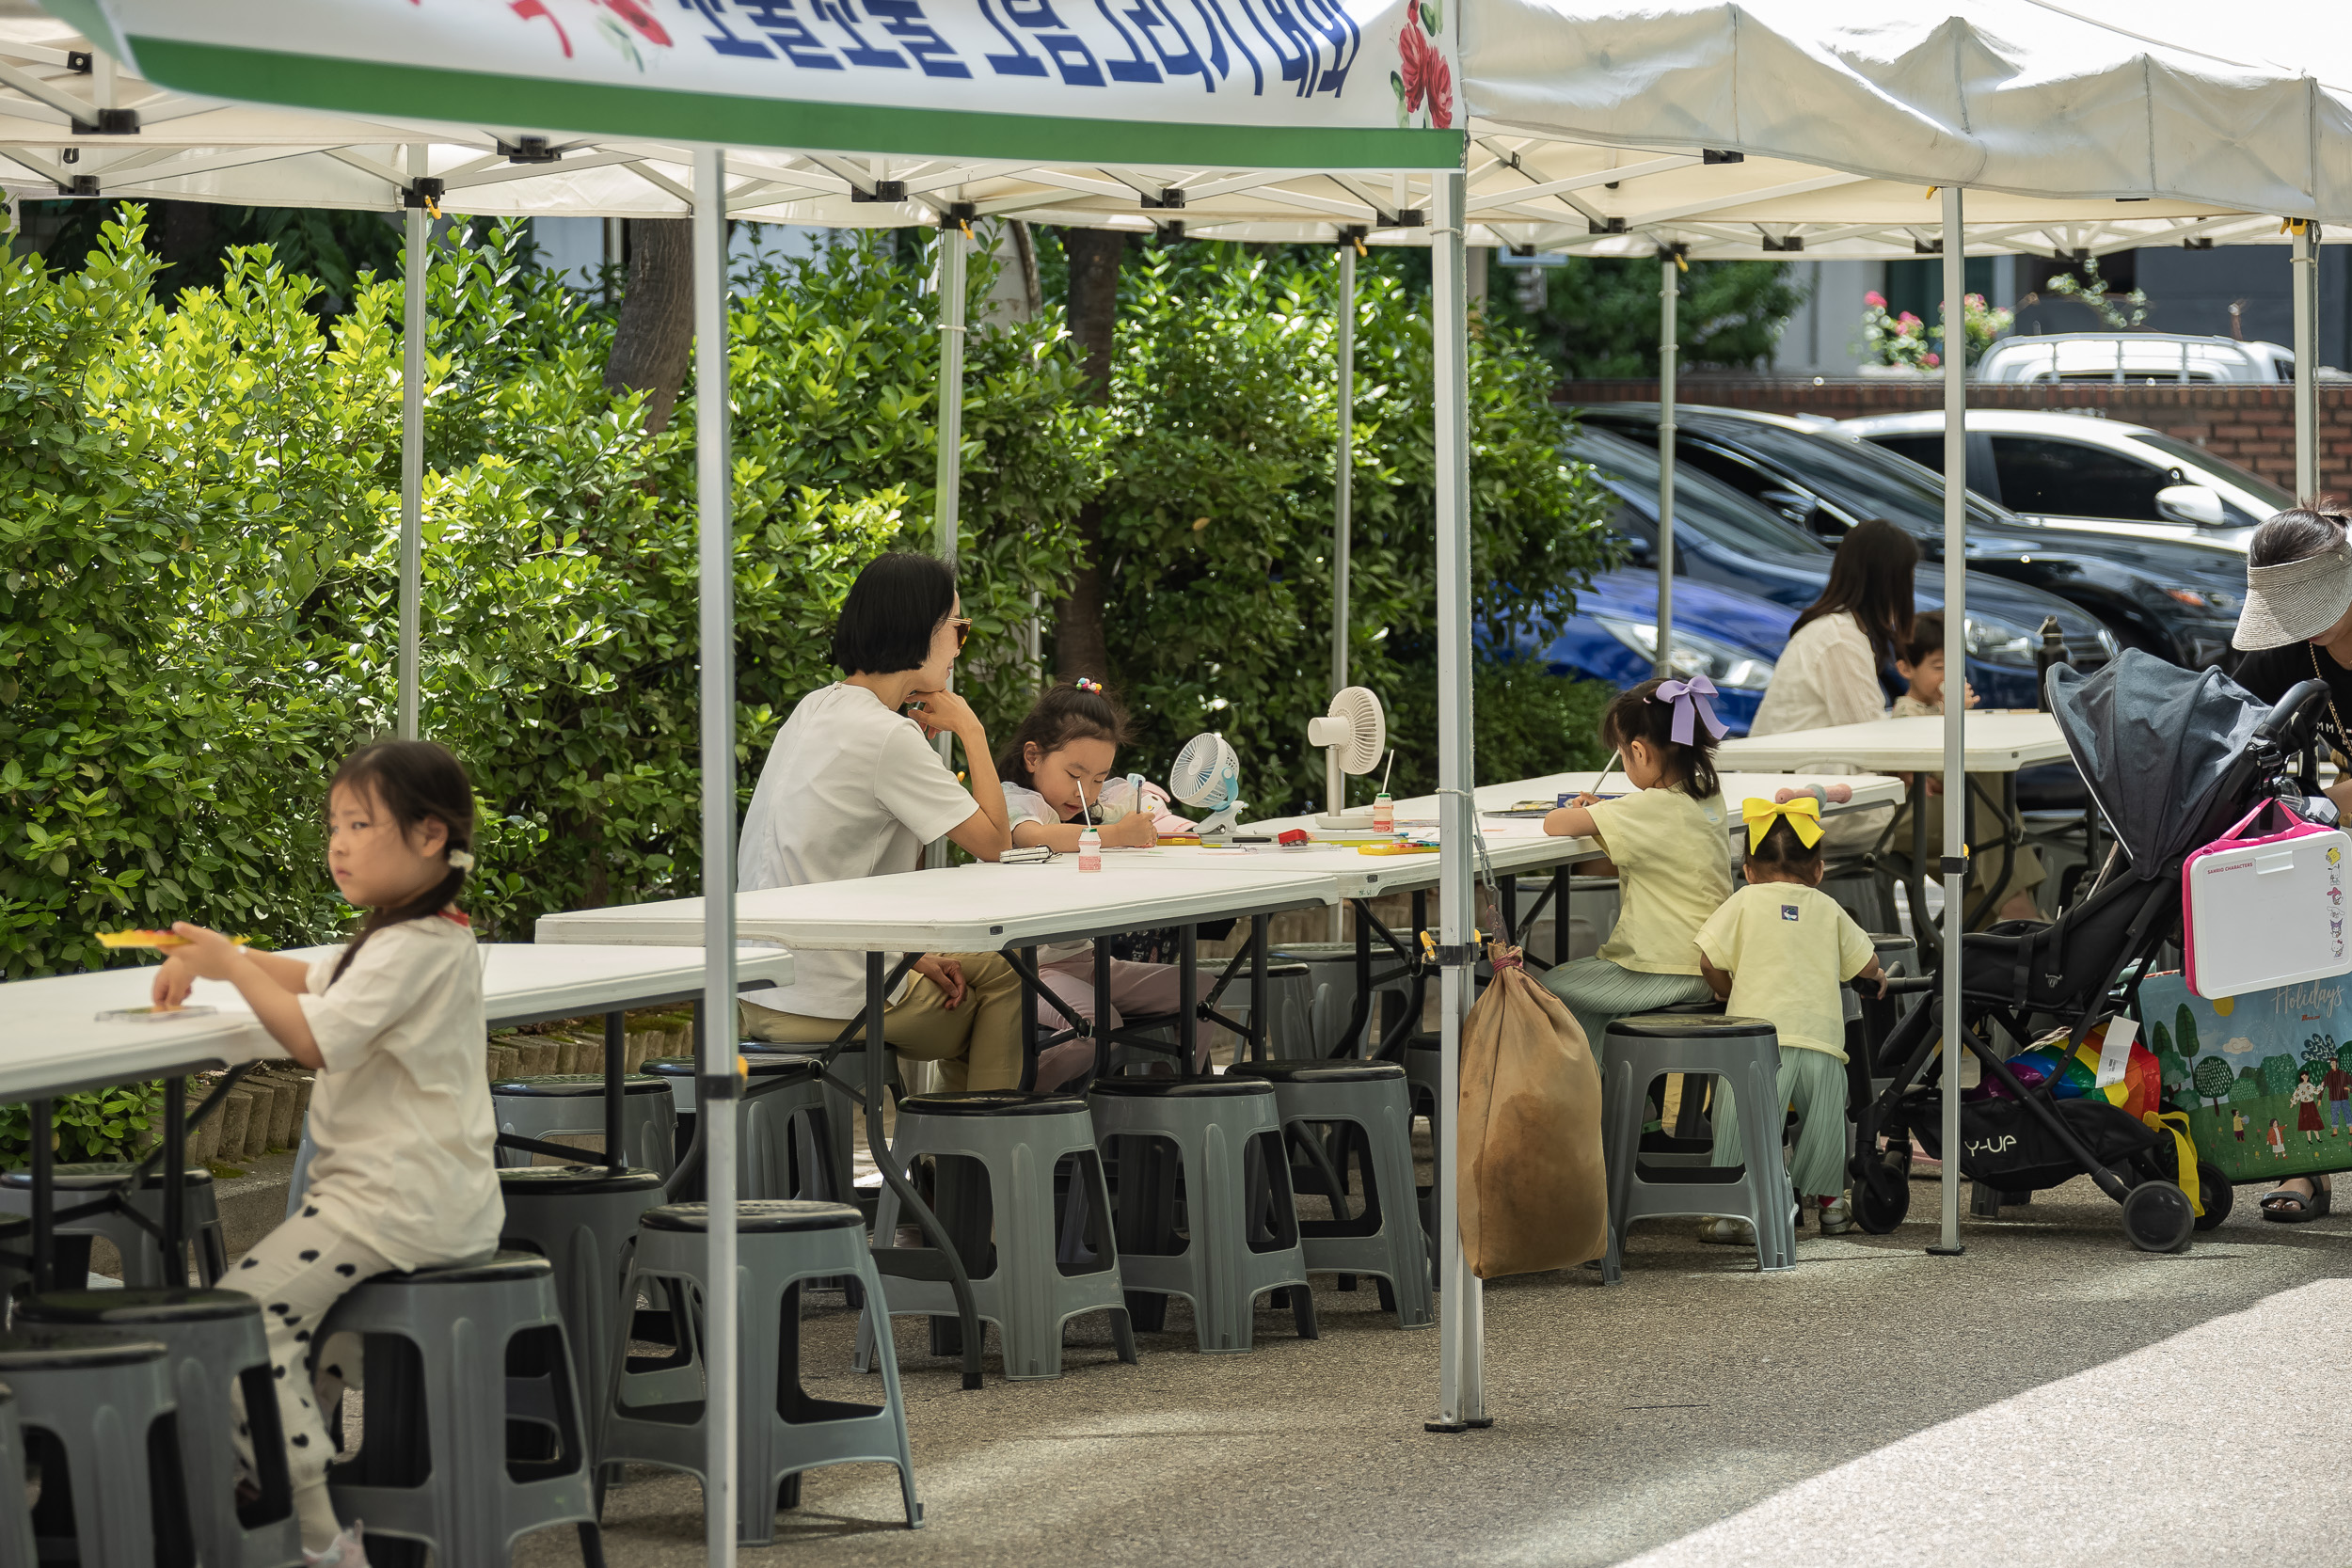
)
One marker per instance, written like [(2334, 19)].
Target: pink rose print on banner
[(1422, 82)]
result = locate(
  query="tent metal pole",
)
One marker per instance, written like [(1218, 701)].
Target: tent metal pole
[(1342, 522), (1461, 1384), (1955, 659), (2306, 279), (411, 593), (1669, 296), (719, 1086), (1343, 470), (947, 488)]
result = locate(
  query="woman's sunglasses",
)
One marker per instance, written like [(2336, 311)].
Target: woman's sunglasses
[(963, 624)]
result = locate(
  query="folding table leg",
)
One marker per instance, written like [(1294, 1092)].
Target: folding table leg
[(911, 1202), (1563, 880), (615, 1060), (1187, 987), (1261, 1004), (175, 1166), (44, 1200)]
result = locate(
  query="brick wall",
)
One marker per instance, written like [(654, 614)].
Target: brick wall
[(2250, 425)]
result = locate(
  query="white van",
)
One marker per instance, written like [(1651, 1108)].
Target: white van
[(2134, 357)]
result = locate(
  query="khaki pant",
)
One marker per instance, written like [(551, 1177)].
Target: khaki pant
[(977, 1043), (1984, 827)]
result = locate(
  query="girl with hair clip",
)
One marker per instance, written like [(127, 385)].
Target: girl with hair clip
[(404, 1176), (1053, 772), (1778, 949), (1669, 846)]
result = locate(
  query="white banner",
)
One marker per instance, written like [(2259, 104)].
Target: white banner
[(1352, 84)]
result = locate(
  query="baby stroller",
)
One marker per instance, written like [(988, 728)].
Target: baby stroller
[(2172, 757)]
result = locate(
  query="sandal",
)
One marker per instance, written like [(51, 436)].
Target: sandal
[(2286, 1206)]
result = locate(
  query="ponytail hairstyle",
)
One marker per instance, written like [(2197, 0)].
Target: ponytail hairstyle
[(1638, 713), (1079, 711), (412, 782)]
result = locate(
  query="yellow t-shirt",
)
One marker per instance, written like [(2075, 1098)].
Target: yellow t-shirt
[(1673, 856), (1787, 947)]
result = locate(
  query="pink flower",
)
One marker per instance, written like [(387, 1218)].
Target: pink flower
[(1414, 58), (1932, 361), (1909, 320), (1875, 298), (1426, 76)]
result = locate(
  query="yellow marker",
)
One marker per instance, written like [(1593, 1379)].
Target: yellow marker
[(1396, 849), (152, 939)]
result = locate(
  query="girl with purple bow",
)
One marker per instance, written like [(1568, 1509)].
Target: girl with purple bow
[(1669, 848)]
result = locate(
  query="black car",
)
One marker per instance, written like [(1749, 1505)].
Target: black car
[(2174, 599), (1726, 539)]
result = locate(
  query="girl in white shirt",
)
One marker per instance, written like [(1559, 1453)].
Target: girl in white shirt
[(1053, 772), (404, 1177)]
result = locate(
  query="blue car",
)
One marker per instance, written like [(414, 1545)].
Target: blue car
[(1730, 638), (1728, 540)]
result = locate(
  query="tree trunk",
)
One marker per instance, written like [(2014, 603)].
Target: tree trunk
[(656, 334), (1080, 646)]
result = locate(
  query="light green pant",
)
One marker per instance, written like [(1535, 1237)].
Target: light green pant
[(1600, 992), (1814, 1083)]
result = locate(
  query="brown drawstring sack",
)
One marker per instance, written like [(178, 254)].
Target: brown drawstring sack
[(1534, 1192)]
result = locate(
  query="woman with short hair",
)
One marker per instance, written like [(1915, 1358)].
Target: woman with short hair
[(852, 788)]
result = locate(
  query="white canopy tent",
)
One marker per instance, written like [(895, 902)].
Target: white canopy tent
[(1766, 120), (331, 57)]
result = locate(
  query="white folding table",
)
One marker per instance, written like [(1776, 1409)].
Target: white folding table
[(1998, 741), (972, 908), (1509, 846), (52, 1043)]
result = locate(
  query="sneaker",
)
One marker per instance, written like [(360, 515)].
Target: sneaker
[(345, 1552), (1837, 1216), (1727, 1232)]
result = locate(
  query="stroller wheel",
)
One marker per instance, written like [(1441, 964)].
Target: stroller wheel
[(1881, 1197), (2214, 1192), (2157, 1218)]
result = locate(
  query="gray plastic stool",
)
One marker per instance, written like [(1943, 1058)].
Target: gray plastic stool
[(16, 1521), (1240, 1236), (780, 1243), (1291, 1008), (584, 1222), (1331, 992), (1038, 1274), (1365, 1102), (571, 1105), (142, 1251), (1745, 1052), (212, 1342), (97, 1414), (473, 1434), (783, 1126)]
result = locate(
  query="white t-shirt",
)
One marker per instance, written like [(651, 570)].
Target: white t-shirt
[(1787, 947), (400, 1114), (1023, 804), (849, 790), (1827, 675)]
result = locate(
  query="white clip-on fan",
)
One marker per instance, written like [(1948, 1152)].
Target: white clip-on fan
[(1353, 735), (1207, 775)]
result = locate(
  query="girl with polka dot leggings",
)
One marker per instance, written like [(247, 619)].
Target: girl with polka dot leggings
[(403, 1175)]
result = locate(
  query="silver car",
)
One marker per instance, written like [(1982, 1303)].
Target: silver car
[(2086, 474), (2134, 357)]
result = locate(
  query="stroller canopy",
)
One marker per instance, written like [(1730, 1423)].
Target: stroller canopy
[(2154, 743)]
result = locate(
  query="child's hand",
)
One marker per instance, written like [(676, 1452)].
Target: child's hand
[(171, 984), (208, 955), (1971, 698), (1136, 832)]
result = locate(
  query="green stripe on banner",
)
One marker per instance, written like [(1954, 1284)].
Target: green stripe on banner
[(468, 97)]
